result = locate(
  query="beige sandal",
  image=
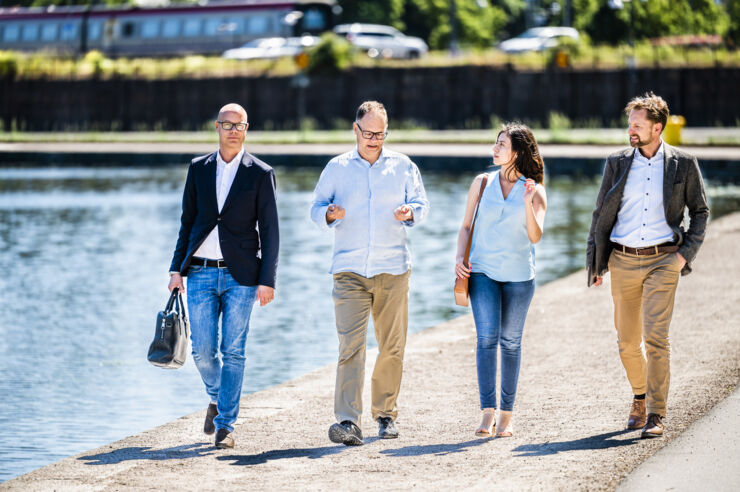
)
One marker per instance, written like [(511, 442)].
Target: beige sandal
[(505, 424), (487, 426)]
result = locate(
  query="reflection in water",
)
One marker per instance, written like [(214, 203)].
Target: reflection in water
[(85, 259)]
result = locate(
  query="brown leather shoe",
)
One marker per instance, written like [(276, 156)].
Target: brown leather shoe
[(653, 428), (636, 419), (224, 439)]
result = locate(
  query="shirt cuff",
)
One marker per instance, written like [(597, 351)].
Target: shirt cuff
[(416, 210)]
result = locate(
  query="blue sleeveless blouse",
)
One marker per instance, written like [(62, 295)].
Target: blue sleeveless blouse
[(501, 248)]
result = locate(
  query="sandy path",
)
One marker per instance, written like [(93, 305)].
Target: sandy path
[(570, 412)]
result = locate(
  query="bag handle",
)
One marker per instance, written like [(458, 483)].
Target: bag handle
[(475, 216), (173, 297), (180, 307)]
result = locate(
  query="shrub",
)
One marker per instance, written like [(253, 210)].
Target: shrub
[(330, 56), (558, 121), (8, 64)]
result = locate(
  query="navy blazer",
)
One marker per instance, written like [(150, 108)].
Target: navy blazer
[(247, 224)]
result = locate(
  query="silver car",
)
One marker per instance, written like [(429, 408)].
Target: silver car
[(380, 41), (270, 48), (538, 39)]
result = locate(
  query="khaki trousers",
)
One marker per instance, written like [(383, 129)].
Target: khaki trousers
[(355, 298), (643, 289)]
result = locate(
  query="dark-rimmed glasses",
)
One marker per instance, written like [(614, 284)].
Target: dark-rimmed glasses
[(370, 135), (227, 125)]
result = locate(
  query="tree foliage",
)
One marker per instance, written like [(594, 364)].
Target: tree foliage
[(478, 22), (481, 23), (733, 32)]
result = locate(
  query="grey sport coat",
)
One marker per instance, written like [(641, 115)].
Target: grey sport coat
[(682, 188)]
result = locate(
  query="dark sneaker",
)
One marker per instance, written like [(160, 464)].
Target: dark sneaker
[(211, 413), (386, 428), (224, 439), (346, 433), (654, 427)]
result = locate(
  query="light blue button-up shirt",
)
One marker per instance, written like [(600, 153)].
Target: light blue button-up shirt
[(641, 218), (369, 240)]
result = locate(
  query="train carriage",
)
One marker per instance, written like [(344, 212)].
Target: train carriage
[(161, 31)]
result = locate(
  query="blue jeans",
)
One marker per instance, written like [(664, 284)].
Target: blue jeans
[(499, 309), (213, 292)]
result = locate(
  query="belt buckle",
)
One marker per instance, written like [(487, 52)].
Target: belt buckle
[(220, 264)]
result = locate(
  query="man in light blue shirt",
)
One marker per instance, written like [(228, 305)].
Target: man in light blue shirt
[(369, 196)]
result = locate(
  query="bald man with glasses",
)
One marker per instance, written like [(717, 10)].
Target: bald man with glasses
[(228, 249), (369, 197)]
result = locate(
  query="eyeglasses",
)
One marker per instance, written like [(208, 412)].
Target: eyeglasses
[(370, 135), (227, 125)]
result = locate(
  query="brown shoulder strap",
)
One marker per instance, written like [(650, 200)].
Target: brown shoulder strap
[(475, 215)]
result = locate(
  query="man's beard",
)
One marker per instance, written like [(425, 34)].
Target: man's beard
[(640, 143)]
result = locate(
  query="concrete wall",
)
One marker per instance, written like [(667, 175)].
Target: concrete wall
[(455, 97)]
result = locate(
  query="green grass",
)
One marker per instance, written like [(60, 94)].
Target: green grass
[(584, 136), (581, 56)]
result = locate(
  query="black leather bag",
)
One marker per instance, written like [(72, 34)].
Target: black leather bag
[(170, 345)]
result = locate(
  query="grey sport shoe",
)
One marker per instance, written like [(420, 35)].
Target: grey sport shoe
[(224, 439), (386, 428), (346, 433), (211, 413)]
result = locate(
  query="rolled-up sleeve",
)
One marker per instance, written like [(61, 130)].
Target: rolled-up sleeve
[(416, 196), (323, 196)]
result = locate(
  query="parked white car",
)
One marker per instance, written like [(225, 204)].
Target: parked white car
[(538, 39), (270, 48), (380, 41)]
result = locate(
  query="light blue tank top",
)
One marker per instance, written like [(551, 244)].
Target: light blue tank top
[(501, 248)]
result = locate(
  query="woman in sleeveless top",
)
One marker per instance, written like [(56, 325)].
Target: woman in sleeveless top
[(501, 269)]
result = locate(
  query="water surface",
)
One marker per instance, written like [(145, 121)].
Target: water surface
[(85, 259)]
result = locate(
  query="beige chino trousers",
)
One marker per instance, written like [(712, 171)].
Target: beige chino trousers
[(644, 289), (355, 298)]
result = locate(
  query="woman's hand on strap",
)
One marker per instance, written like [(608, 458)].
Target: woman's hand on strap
[(461, 270)]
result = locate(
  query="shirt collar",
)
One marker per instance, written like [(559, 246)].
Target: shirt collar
[(382, 156), (659, 153), (237, 159)]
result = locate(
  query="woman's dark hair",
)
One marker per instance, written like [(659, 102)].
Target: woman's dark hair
[(528, 161)]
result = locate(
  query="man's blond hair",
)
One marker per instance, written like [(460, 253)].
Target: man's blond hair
[(656, 107)]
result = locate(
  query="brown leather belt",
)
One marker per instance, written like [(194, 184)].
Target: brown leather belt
[(208, 263), (650, 250)]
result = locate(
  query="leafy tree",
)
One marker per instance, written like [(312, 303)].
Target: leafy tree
[(655, 18), (733, 9), (478, 21), (373, 11)]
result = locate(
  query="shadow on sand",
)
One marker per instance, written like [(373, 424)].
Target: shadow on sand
[(185, 451), (279, 454), (435, 449), (601, 441)]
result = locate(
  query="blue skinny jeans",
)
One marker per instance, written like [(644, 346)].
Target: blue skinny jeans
[(499, 310)]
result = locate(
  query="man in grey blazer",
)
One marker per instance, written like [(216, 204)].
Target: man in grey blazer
[(637, 235)]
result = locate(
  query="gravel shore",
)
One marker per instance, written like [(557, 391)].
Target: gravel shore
[(570, 412)]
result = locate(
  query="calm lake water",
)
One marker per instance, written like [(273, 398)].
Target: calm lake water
[(85, 254)]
